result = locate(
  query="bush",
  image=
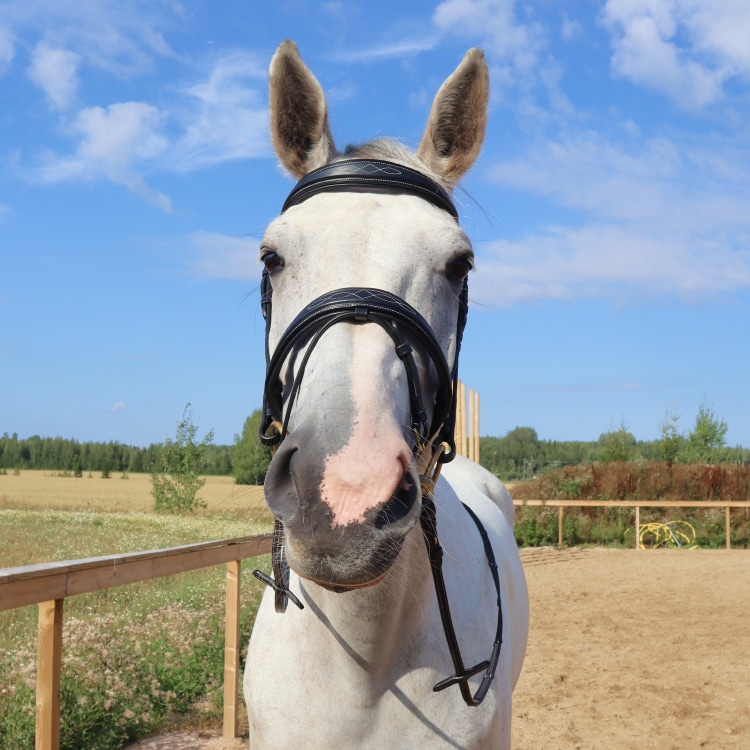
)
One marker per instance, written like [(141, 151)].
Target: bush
[(175, 487)]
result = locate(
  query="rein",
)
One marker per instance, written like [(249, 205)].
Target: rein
[(435, 443)]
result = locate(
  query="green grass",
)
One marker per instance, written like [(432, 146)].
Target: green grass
[(134, 655)]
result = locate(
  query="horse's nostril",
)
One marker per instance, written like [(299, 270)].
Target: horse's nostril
[(400, 504)]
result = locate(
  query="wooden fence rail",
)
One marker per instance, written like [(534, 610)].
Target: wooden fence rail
[(49, 584), (637, 505)]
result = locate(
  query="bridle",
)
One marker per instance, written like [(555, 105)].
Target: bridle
[(434, 442)]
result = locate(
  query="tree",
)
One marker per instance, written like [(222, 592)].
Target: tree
[(672, 439), (707, 437), (617, 445), (176, 483), (251, 457)]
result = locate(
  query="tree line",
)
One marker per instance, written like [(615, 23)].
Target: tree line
[(63, 454), (520, 454), (517, 455)]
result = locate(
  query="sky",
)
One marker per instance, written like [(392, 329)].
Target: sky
[(609, 208)]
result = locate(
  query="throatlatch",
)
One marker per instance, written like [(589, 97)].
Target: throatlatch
[(406, 327)]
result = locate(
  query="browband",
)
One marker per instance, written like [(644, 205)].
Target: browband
[(370, 176)]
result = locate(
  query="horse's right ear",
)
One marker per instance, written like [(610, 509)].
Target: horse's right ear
[(299, 117)]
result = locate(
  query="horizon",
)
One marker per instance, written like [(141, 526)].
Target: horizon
[(609, 208)]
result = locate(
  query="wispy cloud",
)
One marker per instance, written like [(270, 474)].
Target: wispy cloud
[(658, 218), (387, 50), (219, 256), (112, 143), (55, 71), (220, 118), (7, 49), (123, 39), (493, 23), (118, 407), (687, 50), (226, 115)]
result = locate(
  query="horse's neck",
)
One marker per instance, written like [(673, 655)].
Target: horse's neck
[(372, 624)]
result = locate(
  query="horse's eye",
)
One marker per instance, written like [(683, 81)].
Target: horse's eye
[(272, 261), (458, 268)]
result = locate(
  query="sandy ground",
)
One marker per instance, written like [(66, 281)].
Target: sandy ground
[(647, 649)]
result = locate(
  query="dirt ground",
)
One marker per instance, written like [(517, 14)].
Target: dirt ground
[(646, 649)]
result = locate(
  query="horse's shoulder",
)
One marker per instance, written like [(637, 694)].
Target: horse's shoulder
[(470, 480)]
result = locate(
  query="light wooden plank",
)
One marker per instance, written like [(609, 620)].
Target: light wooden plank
[(18, 590), (728, 529), (232, 649), (48, 668)]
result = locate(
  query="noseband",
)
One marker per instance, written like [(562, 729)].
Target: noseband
[(407, 329)]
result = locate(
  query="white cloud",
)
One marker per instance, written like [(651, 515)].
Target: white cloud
[(7, 49), (228, 116), (221, 118), (113, 141), (119, 406), (120, 38), (493, 21), (387, 50), (570, 29), (55, 71), (687, 49), (662, 217), (219, 256)]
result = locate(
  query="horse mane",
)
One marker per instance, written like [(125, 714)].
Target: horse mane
[(389, 149)]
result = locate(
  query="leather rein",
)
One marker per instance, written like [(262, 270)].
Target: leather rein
[(435, 443)]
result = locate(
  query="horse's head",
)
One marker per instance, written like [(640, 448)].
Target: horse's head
[(344, 482)]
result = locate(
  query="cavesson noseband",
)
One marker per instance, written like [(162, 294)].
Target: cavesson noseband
[(407, 328)]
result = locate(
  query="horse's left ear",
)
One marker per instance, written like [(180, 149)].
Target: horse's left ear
[(455, 130)]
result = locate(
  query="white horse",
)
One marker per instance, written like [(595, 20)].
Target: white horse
[(355, 668)]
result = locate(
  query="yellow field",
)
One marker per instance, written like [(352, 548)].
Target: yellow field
[(43, 490), (45, 518)]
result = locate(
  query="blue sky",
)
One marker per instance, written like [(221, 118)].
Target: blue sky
[(610, 207)]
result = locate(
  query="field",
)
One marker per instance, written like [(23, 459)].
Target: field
[(133, 654)]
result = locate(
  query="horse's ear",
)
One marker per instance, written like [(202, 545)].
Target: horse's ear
[(299, 118), (455, 130)]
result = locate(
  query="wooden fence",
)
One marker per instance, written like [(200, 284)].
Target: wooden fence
[(48, 585), (562, 504)]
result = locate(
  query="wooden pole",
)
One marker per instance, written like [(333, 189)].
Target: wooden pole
[(232, 649), (728, 529), (48, 669), (462, 397), (459, 420), (560, 527), (472, 440), (637, 526), (476, 425)]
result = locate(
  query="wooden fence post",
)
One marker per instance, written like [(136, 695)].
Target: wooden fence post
[(637, 526), (232, 648), (48, 669), (560, 527), (728, 528)]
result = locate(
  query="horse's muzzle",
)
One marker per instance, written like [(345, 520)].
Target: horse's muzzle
[(347, 547)]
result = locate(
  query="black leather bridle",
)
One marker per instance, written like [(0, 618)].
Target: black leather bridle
[(407, 328)]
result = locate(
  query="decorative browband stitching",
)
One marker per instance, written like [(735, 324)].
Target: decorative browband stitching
[(370, 175)]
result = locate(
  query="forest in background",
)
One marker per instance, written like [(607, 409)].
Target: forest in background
[(520, 454)]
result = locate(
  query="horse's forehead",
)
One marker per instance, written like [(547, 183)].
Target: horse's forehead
[(383, 225)]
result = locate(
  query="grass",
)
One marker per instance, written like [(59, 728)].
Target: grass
[(134, 655)]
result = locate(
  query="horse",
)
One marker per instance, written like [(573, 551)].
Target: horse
[(398, 554)]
